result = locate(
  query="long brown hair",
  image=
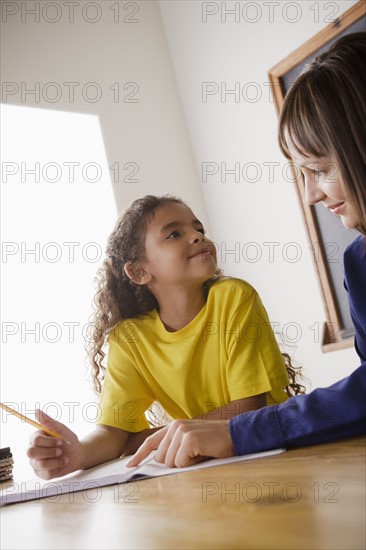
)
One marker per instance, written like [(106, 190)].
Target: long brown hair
[(324, 114)]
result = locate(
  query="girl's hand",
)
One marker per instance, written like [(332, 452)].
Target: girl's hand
[(52, 457), (186, 442)]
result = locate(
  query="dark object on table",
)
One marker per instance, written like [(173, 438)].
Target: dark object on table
[(6, 464)]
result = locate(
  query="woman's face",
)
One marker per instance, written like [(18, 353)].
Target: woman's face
[(323, 183)]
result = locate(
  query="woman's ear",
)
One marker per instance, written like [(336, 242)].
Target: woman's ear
[(137, 273)]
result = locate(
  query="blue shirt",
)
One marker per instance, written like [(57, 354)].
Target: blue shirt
[(355, 283), (326, 414)]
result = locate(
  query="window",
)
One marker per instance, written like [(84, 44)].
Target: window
[(57, 210)]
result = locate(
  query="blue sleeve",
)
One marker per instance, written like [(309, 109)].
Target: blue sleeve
[(324, 415)]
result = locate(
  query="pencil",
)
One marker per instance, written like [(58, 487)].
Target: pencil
[(48, 431)]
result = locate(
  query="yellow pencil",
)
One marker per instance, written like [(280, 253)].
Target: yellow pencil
[(31, 422)]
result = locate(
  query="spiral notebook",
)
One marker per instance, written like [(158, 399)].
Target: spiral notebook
[(110, 473)]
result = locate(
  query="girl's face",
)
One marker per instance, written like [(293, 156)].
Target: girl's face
[(323, 183), (176, 249)]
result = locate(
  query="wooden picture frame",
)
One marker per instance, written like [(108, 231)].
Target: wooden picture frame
[(320, 224)]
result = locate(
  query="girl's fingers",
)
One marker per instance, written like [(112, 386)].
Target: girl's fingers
[(39, 439), (44, 452), (52, 456), (48, 466), (54, 425)]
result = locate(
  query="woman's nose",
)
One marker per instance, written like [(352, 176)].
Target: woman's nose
[(313, 191)]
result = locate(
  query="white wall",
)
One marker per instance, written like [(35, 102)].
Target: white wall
[(145, 125), (208, 44)]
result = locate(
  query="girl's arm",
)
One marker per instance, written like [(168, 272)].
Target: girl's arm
[(103, 444), (234, 408)]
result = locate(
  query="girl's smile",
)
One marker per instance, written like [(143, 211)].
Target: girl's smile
[(201, 253)]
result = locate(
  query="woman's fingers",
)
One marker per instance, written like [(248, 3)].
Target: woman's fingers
[(171, 443), (150, 444), (186, 442)]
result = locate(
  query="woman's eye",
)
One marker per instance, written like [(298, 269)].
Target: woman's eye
[(319, 174)]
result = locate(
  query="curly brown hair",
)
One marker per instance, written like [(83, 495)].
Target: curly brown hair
[(118, 298)]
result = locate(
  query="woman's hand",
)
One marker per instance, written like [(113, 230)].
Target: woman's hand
[(50, 456), (186, 442)]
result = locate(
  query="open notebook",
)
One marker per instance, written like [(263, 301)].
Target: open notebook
[(109, 473)]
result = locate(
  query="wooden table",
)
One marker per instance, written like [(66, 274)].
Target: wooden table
[(311, 498)]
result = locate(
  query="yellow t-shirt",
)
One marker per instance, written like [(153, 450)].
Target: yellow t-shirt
[(227, 352)]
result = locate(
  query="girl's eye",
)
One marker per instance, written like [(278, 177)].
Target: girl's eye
[(173, 235)]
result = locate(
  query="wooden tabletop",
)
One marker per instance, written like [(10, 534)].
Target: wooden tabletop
[(311, 498)]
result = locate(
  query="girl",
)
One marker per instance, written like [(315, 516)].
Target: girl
[(322, 129), (199, 344)]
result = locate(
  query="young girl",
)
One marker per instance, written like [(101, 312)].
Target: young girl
[(179, 334), (322, 129)]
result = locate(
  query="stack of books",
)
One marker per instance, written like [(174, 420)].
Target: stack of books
[(6, 464)]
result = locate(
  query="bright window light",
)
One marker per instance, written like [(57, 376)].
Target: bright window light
[(57, 210)]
